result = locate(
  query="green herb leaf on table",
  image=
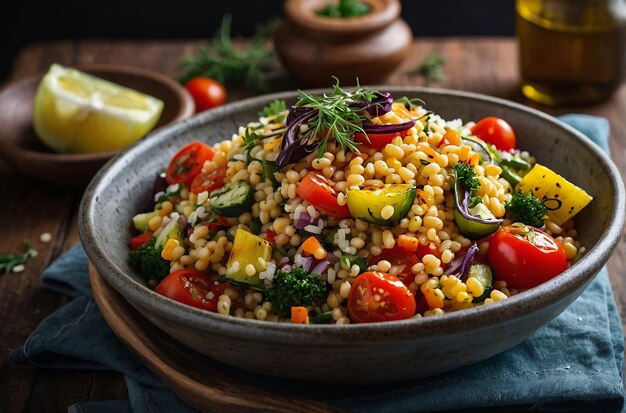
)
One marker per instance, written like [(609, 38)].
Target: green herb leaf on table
[(249, 66), (11, 262), (431, 67)]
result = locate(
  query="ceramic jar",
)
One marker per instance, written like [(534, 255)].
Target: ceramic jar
[(314, 48)]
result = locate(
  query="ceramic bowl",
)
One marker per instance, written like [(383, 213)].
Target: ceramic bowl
[(367, 352), (21, 149)]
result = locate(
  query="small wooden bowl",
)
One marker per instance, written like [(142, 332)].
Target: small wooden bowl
[(21, 149)]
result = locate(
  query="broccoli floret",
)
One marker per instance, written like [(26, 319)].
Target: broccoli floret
[(147, 261), (293, 289), (527, 208), (465, 175)]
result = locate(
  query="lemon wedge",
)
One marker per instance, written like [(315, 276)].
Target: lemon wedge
[(79, 113)]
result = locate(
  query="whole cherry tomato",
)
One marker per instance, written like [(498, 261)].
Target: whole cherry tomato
[(192, 287), (207, 93), (495, 131), (524, 256), (316, 189), (187, 163), (377, 296)]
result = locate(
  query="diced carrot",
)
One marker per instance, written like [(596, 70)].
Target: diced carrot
[(408, 243), (311, 245), (474, 160), (451, 137), (299, 315)]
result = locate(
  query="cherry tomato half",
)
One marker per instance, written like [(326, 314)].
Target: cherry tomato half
[(400, 258), (377, 296), (139, 240), (525, 257), (495, 131), (430, 248), (316, 189), (207, 93), (208, 181), (190, 286), (378, 140), (187, 163)]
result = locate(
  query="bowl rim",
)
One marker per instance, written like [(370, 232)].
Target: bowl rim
[(187, 109), (476, 318)]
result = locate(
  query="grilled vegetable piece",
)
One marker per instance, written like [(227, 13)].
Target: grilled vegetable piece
[(233, 199), (248, 250), (562, 198), (381, 206)]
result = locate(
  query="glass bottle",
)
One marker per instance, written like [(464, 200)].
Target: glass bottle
[(571, 51)]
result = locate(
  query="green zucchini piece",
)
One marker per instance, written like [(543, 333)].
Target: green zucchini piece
[(367, 203), (476, 222), (233, 199), (484, 275)]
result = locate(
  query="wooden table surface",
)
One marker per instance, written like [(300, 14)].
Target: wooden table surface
[(29, 208)]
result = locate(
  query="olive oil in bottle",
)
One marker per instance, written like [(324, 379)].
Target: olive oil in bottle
[(571, 51)]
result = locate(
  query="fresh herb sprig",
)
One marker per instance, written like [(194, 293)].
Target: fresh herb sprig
[(336, 118), (345, 9), (220, 60), (9, 261), (274, 108)]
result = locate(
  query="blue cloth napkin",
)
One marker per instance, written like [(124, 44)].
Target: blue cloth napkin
[(573, 364)]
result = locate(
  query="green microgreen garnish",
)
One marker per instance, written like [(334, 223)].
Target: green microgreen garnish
[(335, 117), (250, 66), (275, 108), (411, 104), (9, 262)]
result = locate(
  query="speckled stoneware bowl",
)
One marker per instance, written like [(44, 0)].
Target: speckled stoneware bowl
[(367, 352)]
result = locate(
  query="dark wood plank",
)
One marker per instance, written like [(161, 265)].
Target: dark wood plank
[(28, 207)]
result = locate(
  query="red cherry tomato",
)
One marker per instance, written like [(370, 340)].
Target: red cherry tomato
[(187, 163), (495, 131), (316, 189), (378, 140), (139, 240), (401, 258), (430, 248), (192, 287), (376, 297), (208, 181), (206, 92), (525, 257)]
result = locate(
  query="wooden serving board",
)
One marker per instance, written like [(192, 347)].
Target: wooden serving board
[(201, 386)]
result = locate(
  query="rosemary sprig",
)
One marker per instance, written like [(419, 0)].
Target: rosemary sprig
[(250, 66), (336, 118), (9, 261)]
